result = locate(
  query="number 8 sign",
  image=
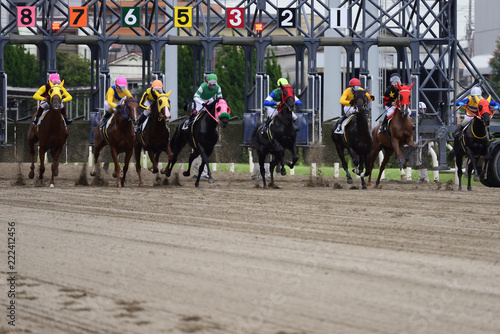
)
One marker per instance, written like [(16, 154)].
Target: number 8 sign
[(26, 16)]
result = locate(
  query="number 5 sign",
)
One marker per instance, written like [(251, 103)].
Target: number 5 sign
[(235, 17), (26, 16), (183, 17), (131, 17)]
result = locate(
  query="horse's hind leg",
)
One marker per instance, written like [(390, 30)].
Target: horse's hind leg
[(31, 144), (154, 160), (274, 162), (387, 156), (116, 172), (98, 146), (280, 157), (340, 153), (262, 160)]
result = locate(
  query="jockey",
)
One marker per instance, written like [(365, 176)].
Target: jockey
[(43, 95), (391, 95), (470, 105), (114, 94), (347, 97), (206, 92), (147, 98), (273, 101)]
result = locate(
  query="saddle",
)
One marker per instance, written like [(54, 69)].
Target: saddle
[(340, 130)]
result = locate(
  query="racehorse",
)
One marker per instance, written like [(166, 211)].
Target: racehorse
[(201, 135), (399, 132), (280, 135), (357, 138), (51, 133), (473, 142), (120, 136), (154, 135)]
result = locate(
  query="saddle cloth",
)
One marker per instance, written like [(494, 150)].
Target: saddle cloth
[(344, 123)]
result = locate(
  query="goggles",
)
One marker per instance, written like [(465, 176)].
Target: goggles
[(121, 87), (56, 82), (212, 83)]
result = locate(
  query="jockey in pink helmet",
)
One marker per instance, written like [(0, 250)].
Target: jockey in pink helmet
[(43, 95), (114, 95)]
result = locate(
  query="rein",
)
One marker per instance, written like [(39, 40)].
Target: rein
[(122, 110), (475, 136)]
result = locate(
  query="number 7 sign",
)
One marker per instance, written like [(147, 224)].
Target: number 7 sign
[(78, 17)]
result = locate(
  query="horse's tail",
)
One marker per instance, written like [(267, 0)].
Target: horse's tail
[(175, 140)]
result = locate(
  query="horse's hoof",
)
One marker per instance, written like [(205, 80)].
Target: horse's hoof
[(31, 175), (52, 185), (210, 180), (469, 188), (349, 181), (283, 171), (186, 173), (197, 184), (403, 177), (114, 175)]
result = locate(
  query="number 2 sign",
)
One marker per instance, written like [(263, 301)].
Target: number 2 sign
[(235, 17), (26, 16), (287, 17)]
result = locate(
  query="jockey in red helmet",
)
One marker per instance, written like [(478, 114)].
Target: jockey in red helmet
[(347, 97)]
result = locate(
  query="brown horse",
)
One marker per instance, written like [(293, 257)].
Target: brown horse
[(51, 133), (154, 136), (399, 132), (120, 136)]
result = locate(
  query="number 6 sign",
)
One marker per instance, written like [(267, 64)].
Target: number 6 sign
[(26, 16), (235, 17)]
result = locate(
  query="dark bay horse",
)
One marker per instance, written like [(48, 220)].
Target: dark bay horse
[(399, 132), (473, 142), (50, 133), (202, 136), (120, 136), (357, 138), (155, 135), (279, 136)]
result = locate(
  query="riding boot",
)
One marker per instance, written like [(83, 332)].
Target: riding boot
[(339, 124), (266, 126), (39, 113), (104, 120), (383, 127), (63, 113), (141, 120)]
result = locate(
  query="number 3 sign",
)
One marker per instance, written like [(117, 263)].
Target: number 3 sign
[(26, 16), (235, 17)]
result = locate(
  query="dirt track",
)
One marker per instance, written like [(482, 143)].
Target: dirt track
[(406, 258)]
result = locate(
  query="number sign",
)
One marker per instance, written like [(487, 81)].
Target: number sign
[(26, 16), (338, 18), (78, 17), (235, 17), (183, 17), (287, 17), (131, 17)]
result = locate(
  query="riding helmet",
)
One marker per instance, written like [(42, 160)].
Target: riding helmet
[(55, 79), (395, 79), (354, 82), (212, 79), (476, 91), (282, 81), (157, 85), (122, 82)]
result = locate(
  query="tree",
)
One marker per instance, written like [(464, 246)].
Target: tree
[(273, 69), (21, 66), (230, 70), (74, 70), (185, 63), (495, 66)]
